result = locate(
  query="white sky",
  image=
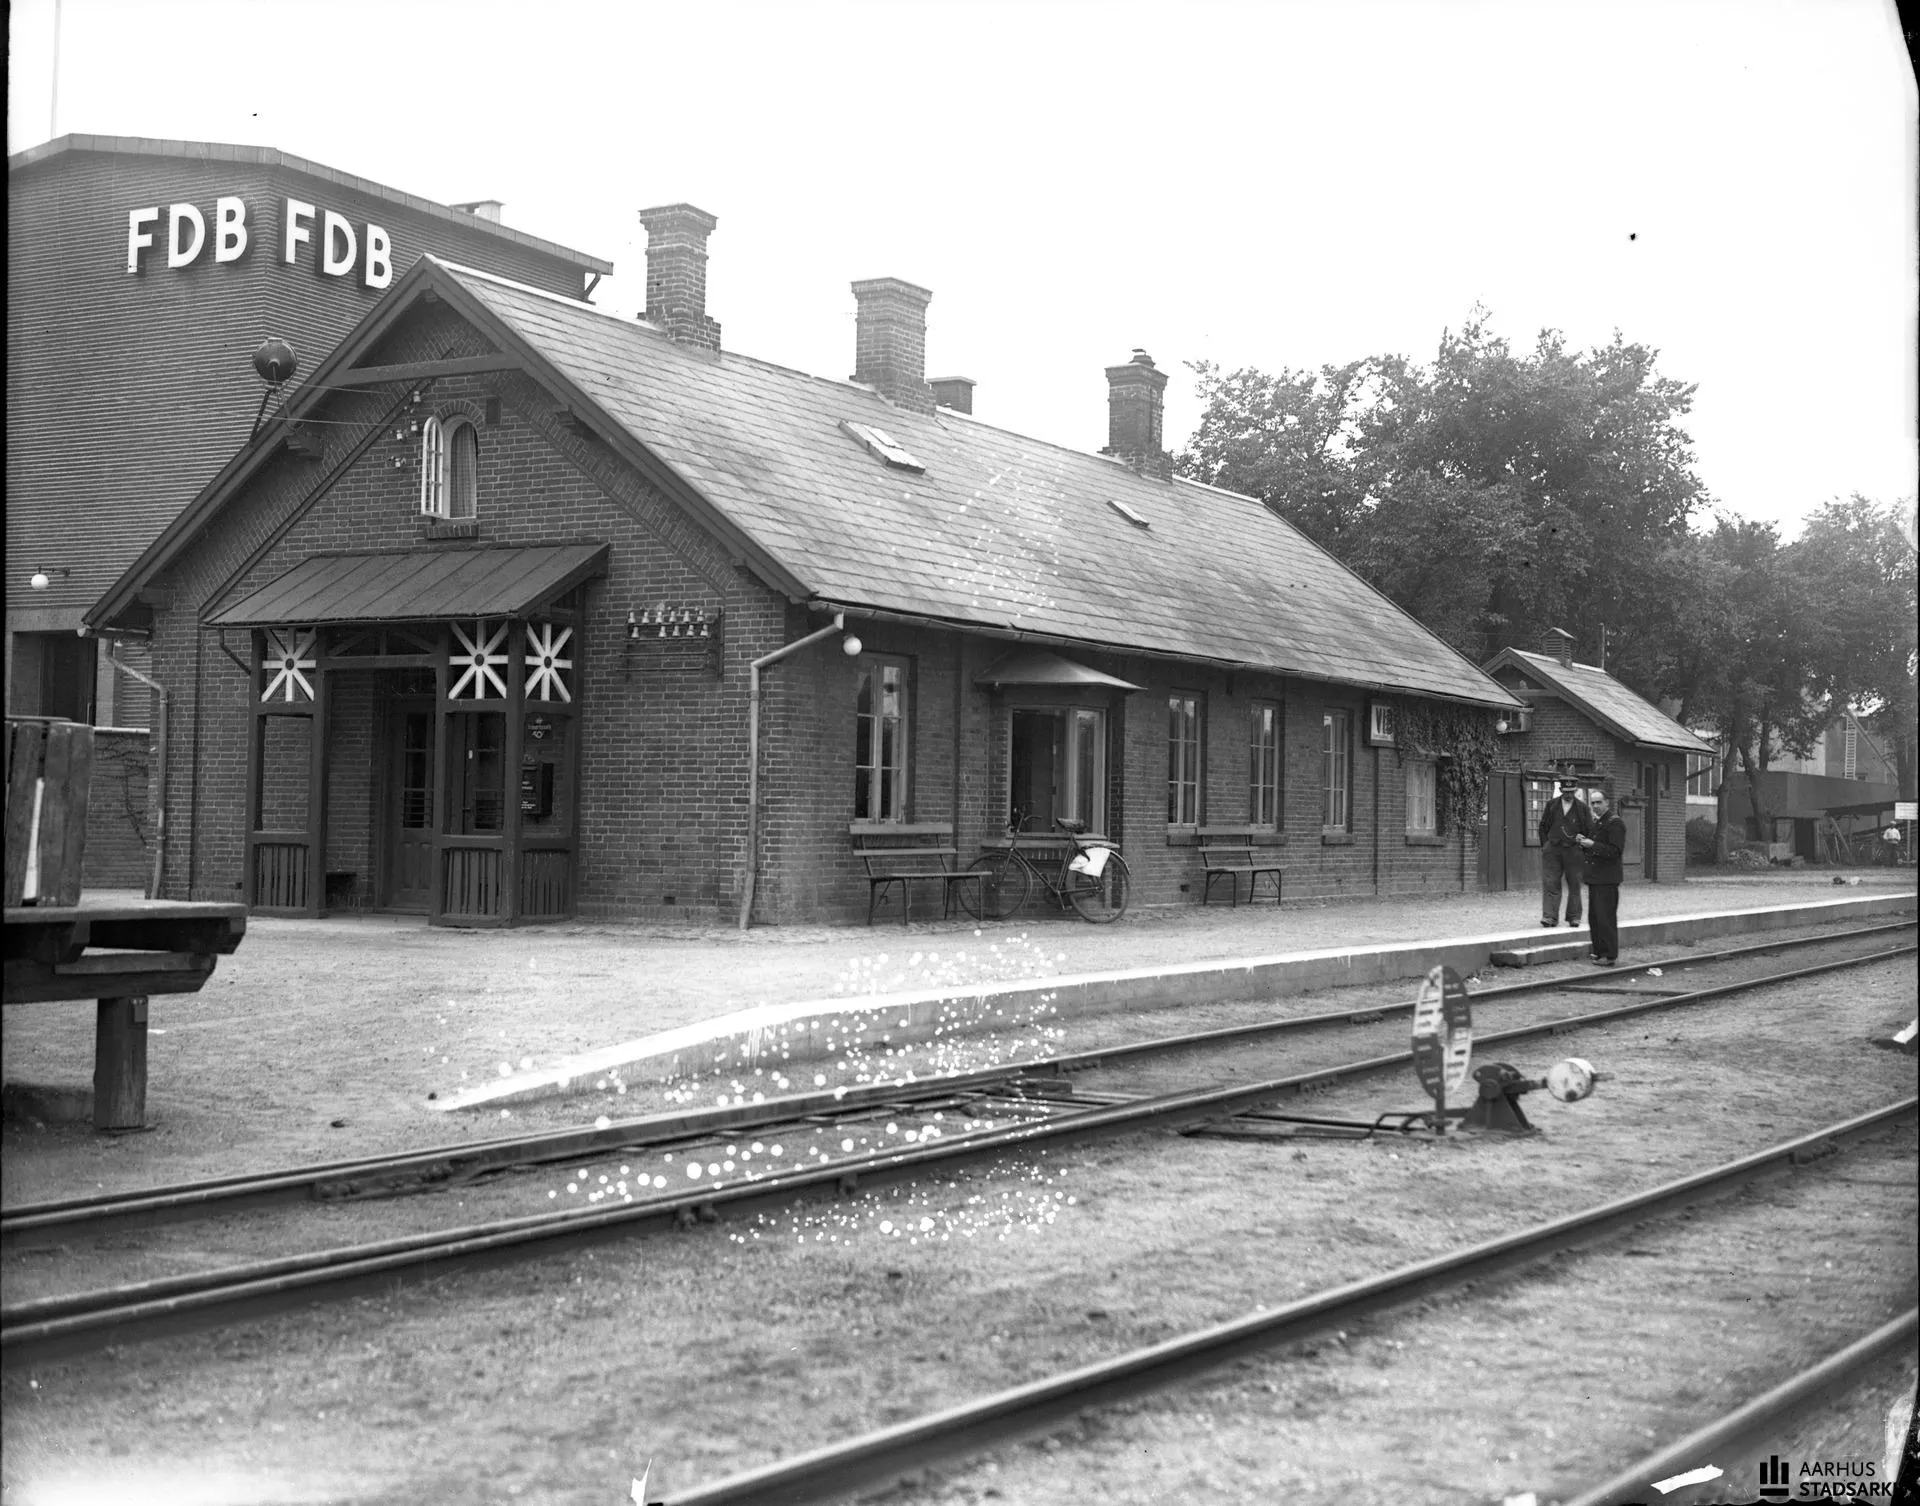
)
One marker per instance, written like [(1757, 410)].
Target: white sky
[(1286, 183)]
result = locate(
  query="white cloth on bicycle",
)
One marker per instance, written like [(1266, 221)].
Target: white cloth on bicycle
[(1091, 862)]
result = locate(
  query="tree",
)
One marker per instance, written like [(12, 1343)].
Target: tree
[(1855, 555), (1491, 494), (1750, 638)]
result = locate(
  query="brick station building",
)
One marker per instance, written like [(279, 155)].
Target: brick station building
[(474, 631)]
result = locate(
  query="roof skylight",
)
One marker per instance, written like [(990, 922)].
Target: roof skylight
[(1128, 513), (879, 442)]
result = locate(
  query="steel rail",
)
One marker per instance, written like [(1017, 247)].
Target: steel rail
[(1369, 1014), (78, 1321), (1797, 1394), (446, 1164), (865, 1461), (463, 1161)]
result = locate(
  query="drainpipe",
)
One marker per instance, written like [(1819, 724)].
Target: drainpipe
[(159, 763), (753, 750)]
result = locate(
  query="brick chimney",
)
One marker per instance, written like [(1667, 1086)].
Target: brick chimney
[(953, 392), (677, 273), (890, 341), (1135, 397), (1557, 643)]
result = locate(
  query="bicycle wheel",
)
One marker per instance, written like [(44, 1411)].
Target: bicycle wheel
[(1003, 886), (1104, 898)]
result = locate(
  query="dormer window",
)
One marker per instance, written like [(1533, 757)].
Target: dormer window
[(449, 468), (882, 445)]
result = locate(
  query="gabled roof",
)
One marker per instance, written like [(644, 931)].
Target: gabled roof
[(1629, 717), (993, 531), (266, 156)]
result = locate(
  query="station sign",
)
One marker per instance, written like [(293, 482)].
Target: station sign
[(324, 238)]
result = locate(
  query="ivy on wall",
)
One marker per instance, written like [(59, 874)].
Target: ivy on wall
[(1464, 746)]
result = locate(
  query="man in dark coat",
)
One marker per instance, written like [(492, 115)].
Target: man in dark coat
[(1601, 852), (1562, 824)]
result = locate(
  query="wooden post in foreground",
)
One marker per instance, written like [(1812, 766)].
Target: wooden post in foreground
[(120, 1065)]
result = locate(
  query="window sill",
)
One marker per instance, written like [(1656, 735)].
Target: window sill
[(449, 528), (1425, 839), (1335, 838)]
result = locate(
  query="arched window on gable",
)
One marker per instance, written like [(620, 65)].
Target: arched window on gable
[(449, 468)]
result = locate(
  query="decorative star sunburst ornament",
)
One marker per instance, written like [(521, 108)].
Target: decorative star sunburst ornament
[(288, 657), (545, 641), (480, 657)]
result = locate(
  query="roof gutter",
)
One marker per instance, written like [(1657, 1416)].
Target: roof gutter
[(1058, 640), (753, 751)]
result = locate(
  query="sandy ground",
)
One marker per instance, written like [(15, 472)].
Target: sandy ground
[(737, 1343), (752, 1339)]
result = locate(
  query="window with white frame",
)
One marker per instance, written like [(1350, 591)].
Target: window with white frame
[(1183, 760), (1263, 764), (1336, 766), (1423, 806), (880, 742), (449, 468)]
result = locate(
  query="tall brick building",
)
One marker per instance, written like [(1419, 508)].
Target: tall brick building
[(141, 277), (475, 631), (1581, 721)]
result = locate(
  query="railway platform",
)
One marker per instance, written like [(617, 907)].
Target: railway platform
[(1198, 957)]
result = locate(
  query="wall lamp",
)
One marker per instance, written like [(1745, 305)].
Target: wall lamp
[(43, 577)]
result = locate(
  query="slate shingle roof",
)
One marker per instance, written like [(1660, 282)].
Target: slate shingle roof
[(1618, 709), (999, 531)]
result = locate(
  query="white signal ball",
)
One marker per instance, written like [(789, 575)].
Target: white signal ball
[(1571, 1080)]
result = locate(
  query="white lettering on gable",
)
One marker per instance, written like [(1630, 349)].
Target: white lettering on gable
[(379, 258), (178, 215), (338, 230), (139, 239), (335, 250), (295, 232), (229, 229)]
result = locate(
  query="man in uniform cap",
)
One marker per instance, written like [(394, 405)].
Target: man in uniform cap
[(1562, 824)]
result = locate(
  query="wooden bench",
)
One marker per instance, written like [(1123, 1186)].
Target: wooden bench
[(905, 853), (1229, 851)]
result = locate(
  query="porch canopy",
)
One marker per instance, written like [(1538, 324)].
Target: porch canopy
[(1038, 666), (417, 585)]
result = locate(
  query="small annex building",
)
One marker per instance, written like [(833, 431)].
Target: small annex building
[(486, 628), (1580, 720)]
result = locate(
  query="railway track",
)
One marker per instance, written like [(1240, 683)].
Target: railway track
[(873, 1459), (1756, 1418), (75, 1323), (444, 1166)]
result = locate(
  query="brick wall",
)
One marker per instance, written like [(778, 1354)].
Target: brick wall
[(118, 821)]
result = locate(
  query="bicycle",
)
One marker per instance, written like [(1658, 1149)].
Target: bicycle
[(1091, 877)]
